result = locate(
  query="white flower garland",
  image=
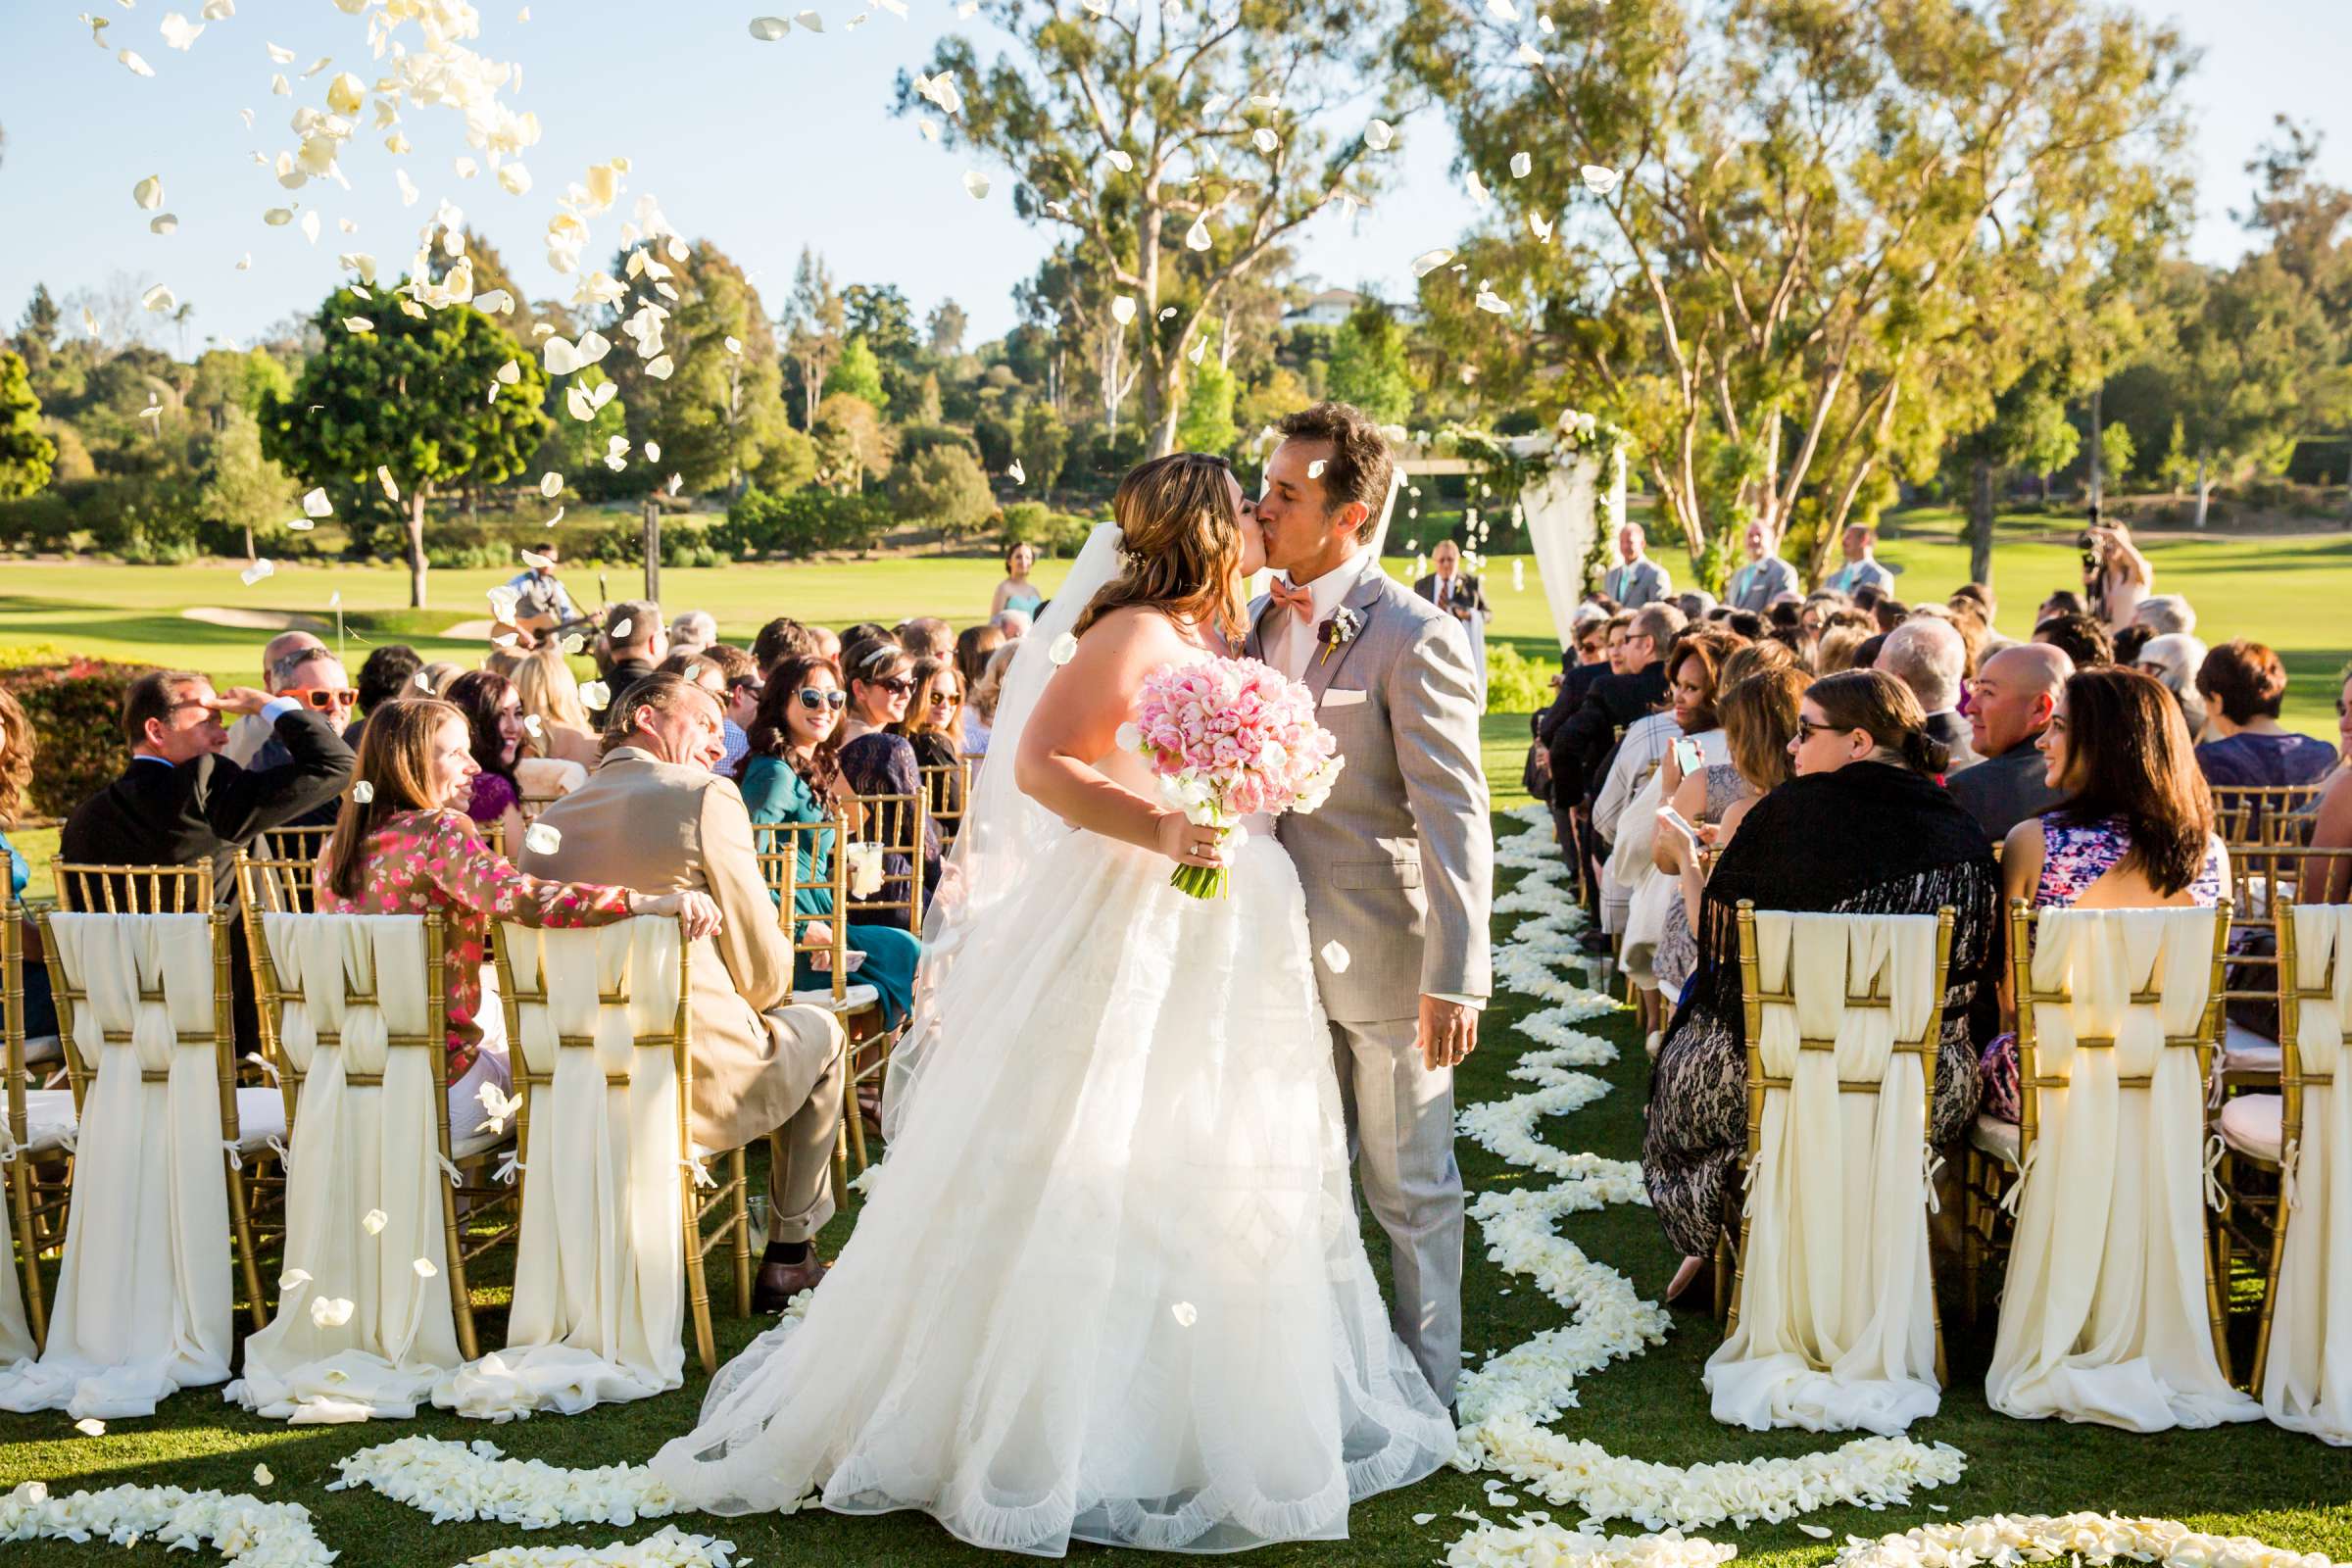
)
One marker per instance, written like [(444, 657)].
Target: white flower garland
[(246, 1531), (2085, 1539), (666, 1548), (467, 1481), (1505, 1402)]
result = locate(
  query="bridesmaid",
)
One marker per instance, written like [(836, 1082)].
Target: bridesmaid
[(792, 773), (1016, 591)]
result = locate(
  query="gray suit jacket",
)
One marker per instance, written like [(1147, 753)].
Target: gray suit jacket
[(1757, 584), (1644, 582), (1399, 865), (2003, 791)]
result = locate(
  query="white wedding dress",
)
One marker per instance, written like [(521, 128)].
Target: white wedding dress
[(1108, 1284)]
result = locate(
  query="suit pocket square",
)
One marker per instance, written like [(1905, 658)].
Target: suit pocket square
[(1342, 697)]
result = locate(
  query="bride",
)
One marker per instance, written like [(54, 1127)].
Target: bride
[(1109, 1283)]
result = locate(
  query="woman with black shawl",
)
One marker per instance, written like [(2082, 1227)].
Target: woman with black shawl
[(1864, 828)]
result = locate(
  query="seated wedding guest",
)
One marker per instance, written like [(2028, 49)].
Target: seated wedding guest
[(1757, 713), (1977, 595), (981, 711), (1969, 624), (934, 727), (18, 744), (2081, 637), (494, 733), (780, 639), (693, 631), (2008, 709), (2136, 831), (866, 631), (1838, 649), (551, 695), (877, 761), (180, 801), (248, 734), (412, 847), (314, 678), (2129, 642), (631, 644), (1888, 612), (1013, 623), (828, 643), (1927, 655), (2165, 616), (1706, 662), (2244, 687), (2065, 602), (973, 645), (2174, 657), (1865, 783), (1016, 591), (1694, 603), (654, 815), (2333, 827), (740, 686), (927, 637), (793, 774), (1580, 749), (387, 674)]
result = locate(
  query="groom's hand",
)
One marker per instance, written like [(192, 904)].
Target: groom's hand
[(1449, 1032)]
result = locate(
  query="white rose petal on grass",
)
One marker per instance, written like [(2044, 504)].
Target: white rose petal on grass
[(262, 1476), (975, 184), (1336, 958), (1817, 1531), (362, 792), (149, 192), (89, 1427), (1185, 1313), (424, 1268), (541, 838), (1423, 1518), (1064, 649), (330, 1313), (256, 573)]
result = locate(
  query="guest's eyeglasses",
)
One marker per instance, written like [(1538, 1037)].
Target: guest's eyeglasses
[(816, 699), (323, 698), (1807, 729), (897, 685), (946, 700), (745, 683)]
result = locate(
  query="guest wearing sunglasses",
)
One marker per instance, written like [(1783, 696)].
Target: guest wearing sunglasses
[(934, 727), (792, 773), (313, 677), (874, 759)]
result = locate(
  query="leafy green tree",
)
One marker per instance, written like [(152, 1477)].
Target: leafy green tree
[(1044, 446), (1180, 147), (26, 453), (1805, 225), (787, 462), (38, 330), (2029, 432), (1208, 423), (858, 374), (2117, 452), (719, 408), (1368, 366), (407, 396), (816, 322), (945, 487), (880, 314), (852, 445), (245, 493), (2248, 369), (576, 447), (946, 326)]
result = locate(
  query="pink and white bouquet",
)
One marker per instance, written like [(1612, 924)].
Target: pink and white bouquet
[(1230, 738)]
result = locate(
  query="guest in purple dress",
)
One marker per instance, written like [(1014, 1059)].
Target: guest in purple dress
[(2136, 831), (2244, 686)]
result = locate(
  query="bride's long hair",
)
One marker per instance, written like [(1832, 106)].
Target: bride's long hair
[(1180, 543)]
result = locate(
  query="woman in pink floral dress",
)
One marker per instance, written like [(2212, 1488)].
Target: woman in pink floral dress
[(403, 845)]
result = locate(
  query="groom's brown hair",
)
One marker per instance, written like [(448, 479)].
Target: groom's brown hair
[(1360, 465)]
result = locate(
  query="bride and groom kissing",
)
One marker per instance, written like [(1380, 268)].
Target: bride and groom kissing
[(1109, 1284)]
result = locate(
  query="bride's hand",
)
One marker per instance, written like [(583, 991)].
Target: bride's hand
[(1186, 842)]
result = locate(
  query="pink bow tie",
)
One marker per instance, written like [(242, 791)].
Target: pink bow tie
[(1298, 600)]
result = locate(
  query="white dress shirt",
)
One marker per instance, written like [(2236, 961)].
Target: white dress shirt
[(1291, 642)]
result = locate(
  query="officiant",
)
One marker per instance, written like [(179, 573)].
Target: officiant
[(1463, 596)]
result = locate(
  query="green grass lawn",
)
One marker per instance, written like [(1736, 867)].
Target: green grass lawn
[(2257, 1480)]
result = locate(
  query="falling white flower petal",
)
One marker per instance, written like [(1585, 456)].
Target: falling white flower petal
[(767, 30), (1122, 309), (594, 694), (1522, 165), (362, 791), (256, 573), (90, 1427), (543, 837), (163, 224), (294, 1278), (1265, 140), (374, 1221), (358, 324), (1429, 261), (1064, 649), (149, 192), (1198, 237), (1527, 54), (133, 64), (661, 368), (1335, 957), (1379, 134), (1015, 473), (384, 476), (1185, 1313), (1489, 299), (1121, 160), (653, 452), (735, 346), (424, 1268), (975, 184), (1599, 180), (330, 1313), (317, 505), (550, 484), (158, 299)]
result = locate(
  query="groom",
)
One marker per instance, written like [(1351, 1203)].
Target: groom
[(1398, 864)]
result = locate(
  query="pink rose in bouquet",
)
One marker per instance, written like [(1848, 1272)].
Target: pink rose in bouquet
[(1229, 738)]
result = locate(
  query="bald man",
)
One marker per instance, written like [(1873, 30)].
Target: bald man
[(279, 658), (2010, 705)]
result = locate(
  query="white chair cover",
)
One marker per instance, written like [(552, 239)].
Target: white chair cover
[(358, 1149), (144, 1297), (600, 1278), (2307, 1383), (1837, 1315), (2104, 1314), (16, 1334)]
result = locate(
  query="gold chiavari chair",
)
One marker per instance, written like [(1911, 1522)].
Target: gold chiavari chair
[(170, 890), (40, 1164), (731, 1191), (897, 825), (2031, 1080), (945, 788), (2263, 876), (1927, 1045), (288, 860), (2263, 815)]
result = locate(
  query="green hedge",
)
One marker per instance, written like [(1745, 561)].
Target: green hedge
[(1052, 533), (1513, 684), (800, 524), (76, 709)]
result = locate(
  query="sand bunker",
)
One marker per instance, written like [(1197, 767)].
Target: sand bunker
[(255, 619)]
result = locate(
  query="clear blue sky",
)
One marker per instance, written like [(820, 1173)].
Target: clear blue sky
[(760, 148)]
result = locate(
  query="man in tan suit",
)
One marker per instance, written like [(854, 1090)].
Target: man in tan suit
[(653, 816)]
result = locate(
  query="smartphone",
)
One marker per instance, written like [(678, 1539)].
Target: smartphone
[(1673, 819), (1687, 755)]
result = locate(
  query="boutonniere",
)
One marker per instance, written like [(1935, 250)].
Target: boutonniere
[(1337, 631)]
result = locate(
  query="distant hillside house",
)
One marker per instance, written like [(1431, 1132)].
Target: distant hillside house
[(1332, 307)]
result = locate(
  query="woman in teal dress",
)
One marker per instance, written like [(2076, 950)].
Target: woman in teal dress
[(792, 773), (1016, 591), (17, 746)]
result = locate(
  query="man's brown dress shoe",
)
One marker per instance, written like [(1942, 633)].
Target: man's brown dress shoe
[(778, 1282)]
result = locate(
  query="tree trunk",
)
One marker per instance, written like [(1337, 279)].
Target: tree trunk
[(1163, 407), (1980, 522), (250, 557), (2098, 476), (417, 498), (2204, 486)]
